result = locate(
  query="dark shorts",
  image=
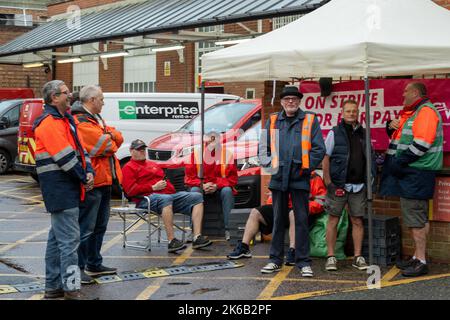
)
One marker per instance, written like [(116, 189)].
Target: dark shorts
[(182, 202), (267, 214), (414, 212)]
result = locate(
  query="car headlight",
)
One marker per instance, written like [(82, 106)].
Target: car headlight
[(247, 163), (185, 152)]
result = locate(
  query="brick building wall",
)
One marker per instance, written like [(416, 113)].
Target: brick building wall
[(14, 76)]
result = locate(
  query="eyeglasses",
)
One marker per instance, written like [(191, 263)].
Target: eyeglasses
[(291, 99), (67, 93)]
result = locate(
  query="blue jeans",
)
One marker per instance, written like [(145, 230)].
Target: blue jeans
[(181, 202), (94, 217), (226, 195), (61, 259)]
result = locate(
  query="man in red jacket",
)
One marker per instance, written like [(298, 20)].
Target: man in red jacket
[(261, 219), (142, 177), (219, 174)]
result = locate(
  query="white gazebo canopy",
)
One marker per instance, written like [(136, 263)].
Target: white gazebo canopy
[(343, 38)]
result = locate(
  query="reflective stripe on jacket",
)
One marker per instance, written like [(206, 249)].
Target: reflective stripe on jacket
[(101, 142), (222, 171), (61, 161)]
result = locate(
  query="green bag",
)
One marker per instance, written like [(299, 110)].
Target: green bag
[(317, 241)]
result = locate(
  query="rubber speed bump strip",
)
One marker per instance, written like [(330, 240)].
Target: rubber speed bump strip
[(128, 276), (131, 276), (177, 270), (157, 273), (30, 287), (7, 289), (108, 279)]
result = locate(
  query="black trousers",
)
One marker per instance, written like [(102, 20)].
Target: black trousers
[(300, 204)]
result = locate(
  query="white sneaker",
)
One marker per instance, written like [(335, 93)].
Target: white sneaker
[(331, 264), (307, 272), (360, 263), (227, 235), (271, 268)]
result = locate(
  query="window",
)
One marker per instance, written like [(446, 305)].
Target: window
[(139, 68), (204, 47), (11, 118), (86, 72), (220, 118), (282, 21), (250, 93), (139, 87)]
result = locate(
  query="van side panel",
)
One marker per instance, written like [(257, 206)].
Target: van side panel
[(147, 116)]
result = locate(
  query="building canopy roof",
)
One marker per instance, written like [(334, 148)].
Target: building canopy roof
[(133, 18)]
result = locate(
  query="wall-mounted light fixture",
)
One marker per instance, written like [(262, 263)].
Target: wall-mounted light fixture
[(33, 65), (114, 54), (228, 42), (70, 60), (170, 48)]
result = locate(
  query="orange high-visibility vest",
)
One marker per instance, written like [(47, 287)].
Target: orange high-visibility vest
[(306, 140), (223, 161)]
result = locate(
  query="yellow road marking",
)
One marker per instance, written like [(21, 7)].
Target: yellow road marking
[(274, 283), (359, 288), (184, 256), (22, 241), (22, 198), (20, 275), (119, 237), (390, 274), (150, 290), (38, 296)]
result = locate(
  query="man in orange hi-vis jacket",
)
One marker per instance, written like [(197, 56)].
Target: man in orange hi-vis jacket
[(101, 142), (65, 173), (414, 156)]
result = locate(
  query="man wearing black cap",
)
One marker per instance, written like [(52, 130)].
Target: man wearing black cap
[(142, 177), (291, 147)]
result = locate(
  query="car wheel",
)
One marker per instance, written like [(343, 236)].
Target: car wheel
[(5, 161)]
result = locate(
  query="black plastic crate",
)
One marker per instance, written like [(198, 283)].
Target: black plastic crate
[(385, 242)]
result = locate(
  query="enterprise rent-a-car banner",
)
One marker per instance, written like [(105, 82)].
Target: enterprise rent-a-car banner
[(386, 102), (157, 110)]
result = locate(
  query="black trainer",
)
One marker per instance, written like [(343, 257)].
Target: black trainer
[(99, 271), (416, 270), (290, 257), (403, 265), (54, 294), (241, 251), (201, 242), (176, 245), (86, 279)]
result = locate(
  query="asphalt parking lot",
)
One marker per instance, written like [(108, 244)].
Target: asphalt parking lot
[(205, 274)]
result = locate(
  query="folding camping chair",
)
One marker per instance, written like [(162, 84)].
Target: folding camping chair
[(147, 214)]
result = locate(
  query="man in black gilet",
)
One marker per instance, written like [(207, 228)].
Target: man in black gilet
[(344, 173)]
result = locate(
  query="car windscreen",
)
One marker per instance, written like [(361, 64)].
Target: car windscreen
[(219, 118), (252, 134), (7, 103)]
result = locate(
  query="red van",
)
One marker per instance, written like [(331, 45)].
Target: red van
[(16, 93), (26, 146)]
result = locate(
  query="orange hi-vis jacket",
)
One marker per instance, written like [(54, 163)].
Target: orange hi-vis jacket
[(219, 169), (101, 143), (62, 163), (317, 195)]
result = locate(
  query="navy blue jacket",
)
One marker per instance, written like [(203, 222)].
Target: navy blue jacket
[(290, 156), (60, 176)]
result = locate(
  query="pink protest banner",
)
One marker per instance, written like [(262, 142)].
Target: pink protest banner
[(386, 102)]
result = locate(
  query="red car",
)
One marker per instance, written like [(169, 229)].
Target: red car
[(239, 123)]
